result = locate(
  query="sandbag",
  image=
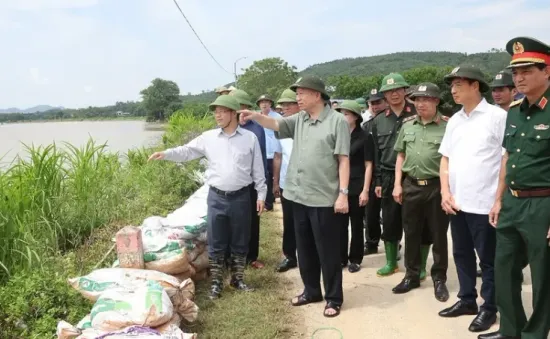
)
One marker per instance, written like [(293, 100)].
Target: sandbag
[(188, 310), (201, 275), (133, 332), (187, 274), (66, 331), (201, 262), (172, 262), (147, 305), (174, 321)]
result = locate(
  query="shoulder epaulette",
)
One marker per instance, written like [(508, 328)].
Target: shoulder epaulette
[(517, 102), (412, 117)]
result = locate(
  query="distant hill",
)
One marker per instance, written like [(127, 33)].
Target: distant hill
[(35, 109), (490, 62)]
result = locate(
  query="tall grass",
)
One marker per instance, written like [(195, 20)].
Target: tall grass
[(55, 197)]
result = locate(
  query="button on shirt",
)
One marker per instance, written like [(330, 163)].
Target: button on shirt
[(473, 146), (286, 147), (272, 144), (234, 161), (312, 178)]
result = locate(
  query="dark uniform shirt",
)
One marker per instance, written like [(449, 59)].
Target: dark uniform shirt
[(385, 128), (258, 130), (527, 141), (361, 150), (420, 143)]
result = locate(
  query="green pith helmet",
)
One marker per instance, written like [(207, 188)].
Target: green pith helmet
[(526, 51), (226, 101), (288, 95), (375, 95), (242, 97), (468, 72), (503, 78), (311, 82), (362, 102), (426, 89), (264, 97), (352, 106), (393, 81), (221, 89)]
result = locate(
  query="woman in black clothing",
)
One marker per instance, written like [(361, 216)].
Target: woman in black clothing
[(361, 158)]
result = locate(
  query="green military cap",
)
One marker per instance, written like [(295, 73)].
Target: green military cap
[(393, 81), (311, 82), (264, 97), (375, 95), (503, 79), (221, 89), (426, 89), (468, 72), (288, 95), (362, 102), (527, 51), (226, 101), (352, 106), (242, 97)]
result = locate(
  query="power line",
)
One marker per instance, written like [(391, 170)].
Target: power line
[(202, 43)]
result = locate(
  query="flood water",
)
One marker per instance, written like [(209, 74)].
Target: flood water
[(120, 135)]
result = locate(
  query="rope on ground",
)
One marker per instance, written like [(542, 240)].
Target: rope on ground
[(327, 329)]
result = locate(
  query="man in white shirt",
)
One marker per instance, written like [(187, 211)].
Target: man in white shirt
[(471, 154)]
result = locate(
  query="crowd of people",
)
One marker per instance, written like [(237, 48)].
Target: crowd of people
[(334, 167)]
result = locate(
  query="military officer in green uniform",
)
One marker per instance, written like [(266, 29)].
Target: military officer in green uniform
[(520, 213), (417, 189), (385, 128), (503, 89)]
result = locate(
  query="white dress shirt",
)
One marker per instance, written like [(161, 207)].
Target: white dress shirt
[(473, 145), (234, 161)]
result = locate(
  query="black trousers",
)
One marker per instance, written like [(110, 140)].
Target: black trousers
[(355, 216), (392, 228), (424, 222), (254, 244), (228, 223), (270, 198), (289, 234), (317, 237), (372, 219), (473, 232)]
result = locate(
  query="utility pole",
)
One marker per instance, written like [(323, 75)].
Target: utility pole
[(235, 68)]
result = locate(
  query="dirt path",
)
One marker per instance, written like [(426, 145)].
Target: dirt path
[(371, 310)]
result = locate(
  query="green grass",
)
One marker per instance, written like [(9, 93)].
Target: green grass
[(263, 313)]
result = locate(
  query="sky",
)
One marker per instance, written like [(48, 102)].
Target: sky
[(79, 53)]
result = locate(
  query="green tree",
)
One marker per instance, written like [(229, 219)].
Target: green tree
[(267, 76), (160, 99)]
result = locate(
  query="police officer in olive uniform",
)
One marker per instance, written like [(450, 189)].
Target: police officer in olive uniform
[(503, 89), (521, 214), (385, 128), (377, 104), (417, 188)]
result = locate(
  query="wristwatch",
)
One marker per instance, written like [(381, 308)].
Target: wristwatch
[(344, 191)]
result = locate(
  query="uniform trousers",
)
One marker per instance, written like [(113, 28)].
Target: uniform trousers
[(254, 244), (372, 219), (392, 228), (270, 198), (424, 222), (472, 233), (317, 237), (355, 216), (289, 234), (228, 222), (522, 229)]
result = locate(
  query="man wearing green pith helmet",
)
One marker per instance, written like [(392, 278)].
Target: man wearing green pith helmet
[(385, 129)]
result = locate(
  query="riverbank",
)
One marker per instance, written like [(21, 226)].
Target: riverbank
[(121, 118)]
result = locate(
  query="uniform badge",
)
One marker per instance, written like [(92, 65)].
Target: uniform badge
[(262, 97), (518, 47), (422, 88), (541, 127), (408, 109), (374, 91), (455, 70), (390, 81), (498, 77), (543, 102)]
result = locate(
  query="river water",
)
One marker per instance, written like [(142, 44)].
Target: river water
[(120, 135)]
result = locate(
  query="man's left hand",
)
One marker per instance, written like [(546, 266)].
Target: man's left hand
[(260, 206), (276, 190), (341, 205)]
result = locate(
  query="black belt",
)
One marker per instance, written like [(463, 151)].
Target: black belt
[(230, 193), (421, 182)]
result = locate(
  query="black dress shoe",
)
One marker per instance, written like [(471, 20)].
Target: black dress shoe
[(287, 264), (241, 286), (353, 268), (458, 309), (406, 285), (440, 291), (496, 335), (483, 321)]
